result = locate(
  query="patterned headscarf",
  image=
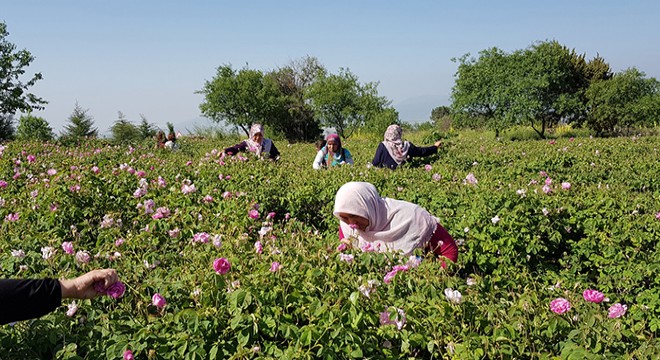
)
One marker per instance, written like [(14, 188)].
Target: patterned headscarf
[(394, 225), (253, 146), (397, 148)]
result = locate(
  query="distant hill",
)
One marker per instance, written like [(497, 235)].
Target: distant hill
[(418, 109)]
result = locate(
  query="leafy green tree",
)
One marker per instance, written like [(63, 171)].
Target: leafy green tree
[(241, 98), (124, 131), (627, 99), (538, 86), (341, 102), (81, 125), (478, 94), (146, 129), (441, 117), (33, 128), (295, 120), (6, 127), (13, 92)]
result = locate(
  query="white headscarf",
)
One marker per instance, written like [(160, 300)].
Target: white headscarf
[(394, 225), (397, 148), (258, 148)]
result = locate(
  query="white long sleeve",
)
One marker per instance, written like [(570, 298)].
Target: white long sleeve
[(318, 160)]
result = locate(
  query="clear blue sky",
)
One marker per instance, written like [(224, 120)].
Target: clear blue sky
[(149, 57)]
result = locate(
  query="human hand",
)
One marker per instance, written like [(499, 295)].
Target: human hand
[(438, 143), (82, 287)]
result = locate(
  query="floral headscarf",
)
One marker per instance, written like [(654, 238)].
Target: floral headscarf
[(397, 148), (257, 148)]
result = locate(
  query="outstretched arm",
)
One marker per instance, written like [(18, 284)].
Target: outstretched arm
[(232, 150), (82, 287), (415, 151), (22, 299)]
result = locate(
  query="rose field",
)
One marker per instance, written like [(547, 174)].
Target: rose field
[(238, 258)]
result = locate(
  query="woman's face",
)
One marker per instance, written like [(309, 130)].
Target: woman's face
[(333, 146), (351, 219), (258, 137)]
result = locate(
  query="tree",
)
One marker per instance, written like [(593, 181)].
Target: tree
[(13, 92), (146, 129), (240, 98), (441, 117), (627, 99), (124, 131), (33, 128), (295, 120), (478, 94), (538, 86), (81, 125), (339, 101), (6, 127)]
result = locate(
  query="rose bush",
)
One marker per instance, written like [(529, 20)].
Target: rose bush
[(161, 219)]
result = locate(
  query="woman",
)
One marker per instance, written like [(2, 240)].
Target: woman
[(383, 224), (340, 155), (255, 143), (393, 152), (160, 140), (171, 142)]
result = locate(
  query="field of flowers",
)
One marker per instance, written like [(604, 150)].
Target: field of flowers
[(238, 258)]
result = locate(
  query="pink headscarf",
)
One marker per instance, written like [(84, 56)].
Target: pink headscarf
[(394, 225)]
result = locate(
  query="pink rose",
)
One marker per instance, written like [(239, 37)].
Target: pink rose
[(221, 266), (67, 247), (617, 310), (258, 247), (593, 296), (275, 266), (560, 305), (128, 355), (158, 300)]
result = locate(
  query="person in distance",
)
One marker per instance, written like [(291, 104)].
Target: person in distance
[(393, 151), (332, 154), (255, 143)]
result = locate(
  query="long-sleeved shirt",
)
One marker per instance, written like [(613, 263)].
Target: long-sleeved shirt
[(27, 299), (384, 159), (274, 154)]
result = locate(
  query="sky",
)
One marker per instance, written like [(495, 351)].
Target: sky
[(151, 57)]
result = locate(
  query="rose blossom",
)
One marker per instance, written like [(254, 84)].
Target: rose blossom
[(158, 300), (346, 258), (83, 257), (67, 246), (221, 266), (454, 296), (253, 214), (560, 305), (617, 310), (399, 320), (128, 355), (258, 247), (593, 296), (275, 266), (72, 308)]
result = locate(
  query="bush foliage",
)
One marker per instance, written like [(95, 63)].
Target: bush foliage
[(543, 220)]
